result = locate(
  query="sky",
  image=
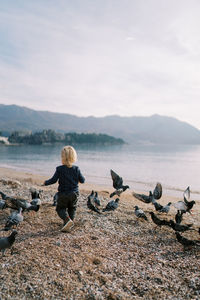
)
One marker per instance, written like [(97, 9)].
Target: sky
[(102, 57)]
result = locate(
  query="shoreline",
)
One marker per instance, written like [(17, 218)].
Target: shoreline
[(37, 180), (102, 185)]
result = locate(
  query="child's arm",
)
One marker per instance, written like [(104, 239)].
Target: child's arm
[(53, 179), (81, 178)]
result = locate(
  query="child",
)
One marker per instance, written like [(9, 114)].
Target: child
[(68, 176)]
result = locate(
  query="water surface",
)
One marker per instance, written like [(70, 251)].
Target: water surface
[(176, 167)]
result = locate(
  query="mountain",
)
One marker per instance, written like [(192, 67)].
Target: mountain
[(154, 129)]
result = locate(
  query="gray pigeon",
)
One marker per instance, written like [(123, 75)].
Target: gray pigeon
[(166, 208), (140, 213), (16, 203), (35, 195), (181, 206), (14, 219), (7, 242), (90, 205), (111, 205)]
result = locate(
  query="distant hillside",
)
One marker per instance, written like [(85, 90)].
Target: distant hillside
[(154, 129)]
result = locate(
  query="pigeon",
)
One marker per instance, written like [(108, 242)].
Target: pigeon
[(157, 205), (144, 198), (7, 242), (139, 213), (96, 199), (35, 195), (158, 221), (179, 227), (186, 242), (16, 203), (178, 217), (117, 184), (14, 219), (181, 206), (112, 205), (166, 208), (157, 193), (90, 205)]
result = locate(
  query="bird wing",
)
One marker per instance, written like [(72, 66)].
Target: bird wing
[(186, 194), (180, 205), (142, 197), (157, 193), (117, 180)]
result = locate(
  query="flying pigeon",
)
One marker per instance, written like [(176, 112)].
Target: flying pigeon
[(157, 193), (183, 206), (180, 205), (112, 205), (186, 205), (90, 205), (179, 227), (186, 242), (14, 219), (158, 221), (140, 213), (7, 242), (117, 184)]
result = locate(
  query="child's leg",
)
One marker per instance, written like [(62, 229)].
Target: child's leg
[(72, 200), (61, 207), (72, 205), (62, 213)]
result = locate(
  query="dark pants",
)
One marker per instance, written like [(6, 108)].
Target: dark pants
[(66, 205)]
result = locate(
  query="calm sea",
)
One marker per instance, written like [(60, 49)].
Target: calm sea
[(176, 167)]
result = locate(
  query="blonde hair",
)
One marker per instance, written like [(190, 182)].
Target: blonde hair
[(68, 156)]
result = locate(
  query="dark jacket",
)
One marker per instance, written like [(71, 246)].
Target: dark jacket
[(68, 178)]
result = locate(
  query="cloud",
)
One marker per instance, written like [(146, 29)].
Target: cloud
[(102, 57)]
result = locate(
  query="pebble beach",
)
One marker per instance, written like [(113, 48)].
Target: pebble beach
[(112, 255)]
